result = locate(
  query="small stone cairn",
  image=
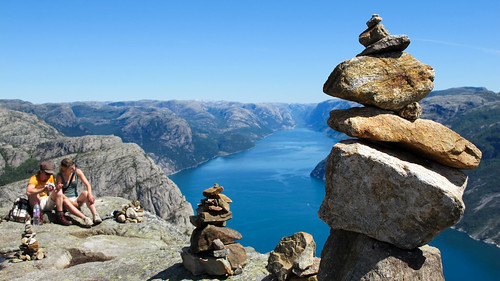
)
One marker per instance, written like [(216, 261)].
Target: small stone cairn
[(294, 259), (29, 249), (130, 213), (398, 183), (212, 250)]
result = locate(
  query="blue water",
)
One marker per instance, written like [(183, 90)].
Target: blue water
[(274, 196)]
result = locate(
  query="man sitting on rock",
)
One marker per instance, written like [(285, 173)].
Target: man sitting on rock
[(46, 195)]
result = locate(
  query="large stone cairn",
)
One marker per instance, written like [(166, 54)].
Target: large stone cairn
[(294, 259), (212, 250), (398, 183)]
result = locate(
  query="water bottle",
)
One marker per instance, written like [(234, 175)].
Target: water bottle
[(36, 214)]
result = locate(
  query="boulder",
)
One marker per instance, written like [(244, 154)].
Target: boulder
[(424, 137), (297, 249), (390, 43), (202, 238), (390, 195), (353, 256), (390, 81)]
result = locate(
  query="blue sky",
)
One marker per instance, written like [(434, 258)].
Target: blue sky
[(239, 50)]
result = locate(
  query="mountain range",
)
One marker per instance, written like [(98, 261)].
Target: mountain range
[(176, 135)]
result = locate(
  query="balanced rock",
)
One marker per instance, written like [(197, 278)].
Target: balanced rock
[(296, 250), (213, 191), (353, 256), (390, 195), (373, 34), (389, 81), (390, 43), (411, 112), (202, 239), (373, 20), (425, 137)]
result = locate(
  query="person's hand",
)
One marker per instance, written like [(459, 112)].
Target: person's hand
[(59, 186)]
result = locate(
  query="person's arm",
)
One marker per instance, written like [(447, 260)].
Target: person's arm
[(59, 183), (84, 180), (32, 190)]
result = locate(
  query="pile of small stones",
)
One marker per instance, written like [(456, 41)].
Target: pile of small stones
[(131, 212), (212, 250), (29, 249)]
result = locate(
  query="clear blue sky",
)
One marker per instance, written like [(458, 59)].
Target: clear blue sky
[(236, 50)]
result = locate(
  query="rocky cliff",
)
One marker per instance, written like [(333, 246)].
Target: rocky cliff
[(113, 168)]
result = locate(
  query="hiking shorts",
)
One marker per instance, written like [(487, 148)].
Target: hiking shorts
[(47, 204)]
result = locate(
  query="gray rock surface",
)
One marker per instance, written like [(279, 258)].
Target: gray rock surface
[(405, 200), (352, 256), (109, 251)]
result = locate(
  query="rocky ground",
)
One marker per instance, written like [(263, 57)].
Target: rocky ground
[(109, 251)]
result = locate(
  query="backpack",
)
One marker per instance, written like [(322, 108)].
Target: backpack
[(19, 211)]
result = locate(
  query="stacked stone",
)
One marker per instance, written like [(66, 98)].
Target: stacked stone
[(29, 249), (130, 213), (212, 250), (294, 259), (399, 184)]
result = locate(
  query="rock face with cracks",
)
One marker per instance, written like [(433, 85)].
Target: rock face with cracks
[(389, 195)]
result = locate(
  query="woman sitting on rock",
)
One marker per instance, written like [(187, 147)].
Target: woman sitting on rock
[(67, 179)]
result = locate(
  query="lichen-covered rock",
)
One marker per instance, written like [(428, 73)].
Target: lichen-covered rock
[(424, 137), (354, 256), (390, 195), (389, 81)]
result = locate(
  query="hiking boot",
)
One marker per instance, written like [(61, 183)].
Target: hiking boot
[(88, 222), (97, 219), (61, 219)]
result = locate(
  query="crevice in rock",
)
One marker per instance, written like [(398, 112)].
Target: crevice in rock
[(79, 256)]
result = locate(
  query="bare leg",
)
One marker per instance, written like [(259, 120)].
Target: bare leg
[(84, 199), (70, 207)]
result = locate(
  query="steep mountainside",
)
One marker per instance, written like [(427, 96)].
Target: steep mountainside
[(474, 113), (176, 134), (112, 167)]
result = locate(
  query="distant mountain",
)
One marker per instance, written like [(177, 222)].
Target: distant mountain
[(176, 134), (474, 113)]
